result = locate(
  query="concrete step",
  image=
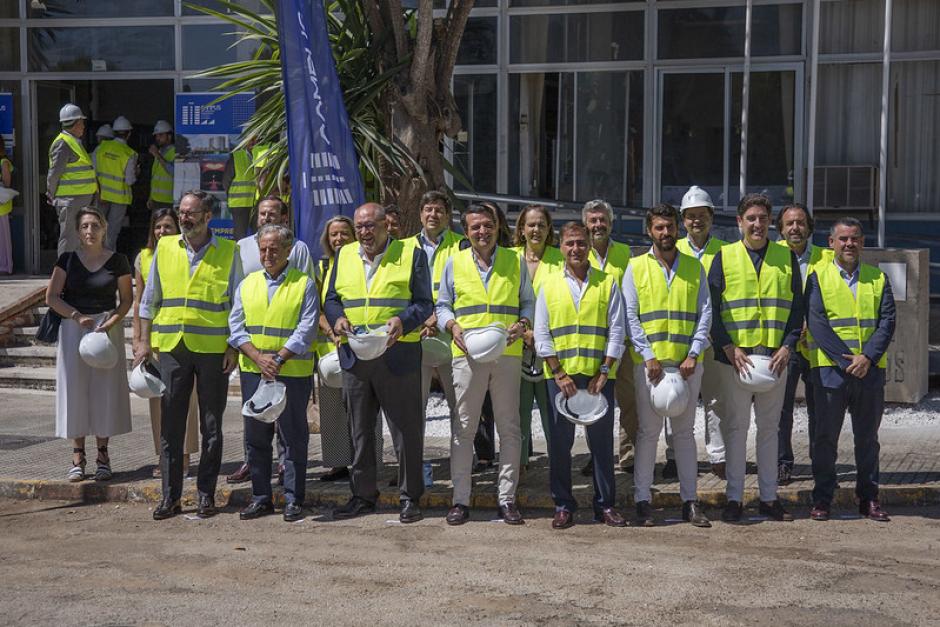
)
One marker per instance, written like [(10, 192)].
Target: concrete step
[(43, 378), (27, 335), (38, 355)]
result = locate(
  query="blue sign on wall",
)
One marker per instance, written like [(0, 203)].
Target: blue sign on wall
[(6, 121), (195, 115)]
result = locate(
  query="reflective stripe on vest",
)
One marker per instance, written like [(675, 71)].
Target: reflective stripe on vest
[(477, 306), (445, 250), (552, 261), (579, 335), (754, 309), (388, 294), (712, 246), (6, 207), (618, 258), (668, 314), (161, 181), (111, 164), (242, 191), (853, 318), (271, 324), (194, 308), (79, 176)]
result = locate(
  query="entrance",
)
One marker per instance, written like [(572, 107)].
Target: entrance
[(700, 134), (143, 102)]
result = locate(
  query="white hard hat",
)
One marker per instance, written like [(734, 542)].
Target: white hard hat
[(98, 351), (331, 375), (368, 344), (670, 397), (435, 352), (696, 197), (70, 113), (760, 377), (122, 124), (145, 380), (267, 403), (162, 126), (486, 344), (105, 131), (583, 408)]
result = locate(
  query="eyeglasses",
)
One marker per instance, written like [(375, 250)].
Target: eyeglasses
[(369, 226), (190, 214)]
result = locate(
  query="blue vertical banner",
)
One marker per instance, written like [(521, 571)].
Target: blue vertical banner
[(324, 166), (6, 121)]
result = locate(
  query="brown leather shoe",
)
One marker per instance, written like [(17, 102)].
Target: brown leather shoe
[(562, 520), (611, 518), (719, 470), (872, 509), (239, 476), (820, 511), (458, 514), (511, 514)]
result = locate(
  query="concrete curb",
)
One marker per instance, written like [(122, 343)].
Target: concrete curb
[(89, 491)]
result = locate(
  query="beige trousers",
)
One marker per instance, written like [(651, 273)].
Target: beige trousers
[(626, 400)]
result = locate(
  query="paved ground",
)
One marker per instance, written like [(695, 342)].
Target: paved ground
[(108, 564), (34, 464)]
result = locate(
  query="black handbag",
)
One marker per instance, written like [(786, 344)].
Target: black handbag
[(48, 330)]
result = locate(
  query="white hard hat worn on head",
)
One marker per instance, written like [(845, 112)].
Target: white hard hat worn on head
[(331, 374), (696, 197), (368, 344), (70, 113), (105, 131), (583, 408), (486, 344), (145, 380), (267, 403), (97, 350), (122, 124), (670, 397), (162, 126), (760, 377), (435, 352)]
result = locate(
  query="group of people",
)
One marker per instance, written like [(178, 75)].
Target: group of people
[(586, 315)]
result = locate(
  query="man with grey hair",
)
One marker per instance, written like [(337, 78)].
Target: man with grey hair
[(71, 183), (273, 324)]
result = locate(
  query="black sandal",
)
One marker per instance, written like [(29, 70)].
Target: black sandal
[(77, 471), (103, 469)]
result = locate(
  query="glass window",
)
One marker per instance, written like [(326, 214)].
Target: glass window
[(10, 49), (719, 32), (479, 4), (913, 152), (252, 5), (915, 25), (576, 37), (209, 45), (11, 8), (97, 8), (852, 26), (848, 110), (478, 45), (106, 48), (475, 145)]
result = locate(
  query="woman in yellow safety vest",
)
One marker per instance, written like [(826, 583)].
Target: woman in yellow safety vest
[(6, 241)]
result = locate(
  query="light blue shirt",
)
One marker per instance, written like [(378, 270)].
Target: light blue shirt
[(299, 257), (429, 246), (304, 333), (632, 303), (616, 329), (850, 278)]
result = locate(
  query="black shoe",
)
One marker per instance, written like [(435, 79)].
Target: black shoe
[(458, 515), (337, 474), (627, 468), (410, 512), (353, 507), (775, 510), (293, 512), (256, 509), (588, 470), (482, 466), (693, 512), (167, 509), (644, 514), (206, 506), (784, 474), (670, 471), (732, 512)]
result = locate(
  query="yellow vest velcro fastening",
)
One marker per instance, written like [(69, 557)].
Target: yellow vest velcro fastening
[(161, 181), (618, 258), (712, 246), (755, 309), (194, 309), (271, 324), (111, 164), (386, 297), (445, 250), (579, 335), (668, 314), (79, 176), (243, 191), (854, 318), (552, 262), (477, 306)]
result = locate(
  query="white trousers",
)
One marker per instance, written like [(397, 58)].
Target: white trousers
[(472, 380), (711, 400), (647, 439), (735, 424)]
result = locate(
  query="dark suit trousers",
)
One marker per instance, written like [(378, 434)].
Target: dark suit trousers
[(292, 430), (600, 439), (180, 369), (368, 387), (797, 368), (866, 404), (484, 441)]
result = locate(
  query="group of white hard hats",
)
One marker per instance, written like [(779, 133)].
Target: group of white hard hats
[(72, 113)]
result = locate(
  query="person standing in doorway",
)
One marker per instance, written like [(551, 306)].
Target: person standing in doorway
[(71, 184), (116, 167), (6, 240), (239, 179), (163, 152)]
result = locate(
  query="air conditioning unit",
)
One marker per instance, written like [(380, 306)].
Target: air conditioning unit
[(846, 190)]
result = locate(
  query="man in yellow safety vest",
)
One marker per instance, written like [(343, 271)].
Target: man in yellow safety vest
[(70, 183), (163, 151), (116, 166)]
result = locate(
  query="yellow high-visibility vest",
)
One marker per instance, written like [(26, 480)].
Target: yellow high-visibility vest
[(477, 306), (755, 308), (579, 335), (6, 207), (552, 262), (854, 318), (449, 245), (271, 324), (243, 192), (79, 176), (111, 164), (161, 180), (323, 344), (194, 309), (712, 246), (618, 258)]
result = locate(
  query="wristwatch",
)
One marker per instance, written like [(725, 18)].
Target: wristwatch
[(604, 369), (278, 359), (557, 371)]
